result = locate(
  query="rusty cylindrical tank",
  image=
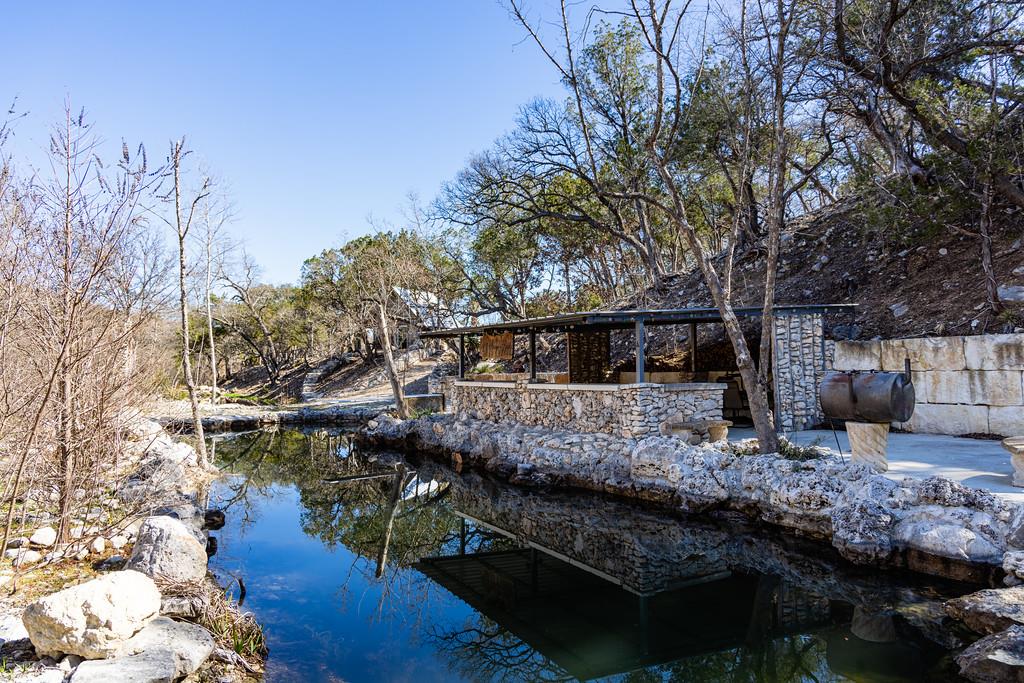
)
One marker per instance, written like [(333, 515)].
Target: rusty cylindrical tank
[(868, 396)]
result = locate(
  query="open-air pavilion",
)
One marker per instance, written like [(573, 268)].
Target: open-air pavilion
[(799, 351)]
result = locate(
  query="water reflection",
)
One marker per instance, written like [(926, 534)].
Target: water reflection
[(369, 566)]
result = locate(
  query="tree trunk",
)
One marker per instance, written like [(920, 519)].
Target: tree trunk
[(389, 362), (209, 322), (186, 356)]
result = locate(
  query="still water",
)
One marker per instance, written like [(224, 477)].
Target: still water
[(365, 566)]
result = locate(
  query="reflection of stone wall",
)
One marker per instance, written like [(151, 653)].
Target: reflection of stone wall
[(648, 552), (931, 525), (799, 367), (964, 385), (630, 410)]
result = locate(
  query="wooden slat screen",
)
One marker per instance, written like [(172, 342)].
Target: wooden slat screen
[(589, 356), (496, 346)]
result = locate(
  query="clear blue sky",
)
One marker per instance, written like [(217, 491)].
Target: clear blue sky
[(315, 114)]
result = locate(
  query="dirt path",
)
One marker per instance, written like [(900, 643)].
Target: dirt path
[(377, 386)]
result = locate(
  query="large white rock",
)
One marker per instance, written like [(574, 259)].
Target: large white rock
[(45, 537), (166, 548), (191, 644), (157, 666), (92, 619)]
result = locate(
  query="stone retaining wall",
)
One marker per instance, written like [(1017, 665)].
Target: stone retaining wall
[(964, 385), (228, 420), (629, 410), (933, 525)]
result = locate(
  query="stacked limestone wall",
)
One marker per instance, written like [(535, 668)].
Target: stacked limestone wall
[(964, 385), (800, 364), (629, 410)]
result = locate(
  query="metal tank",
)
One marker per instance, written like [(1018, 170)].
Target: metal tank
[(869, 396)]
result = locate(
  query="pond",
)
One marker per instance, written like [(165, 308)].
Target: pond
[(371, 566)]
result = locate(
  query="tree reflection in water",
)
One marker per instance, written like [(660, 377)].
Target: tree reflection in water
[(400, 523)]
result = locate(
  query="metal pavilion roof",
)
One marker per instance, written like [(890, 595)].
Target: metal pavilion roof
[(627, 319)]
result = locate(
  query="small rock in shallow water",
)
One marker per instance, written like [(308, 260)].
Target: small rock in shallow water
[(213, 519), (995, 658), (989, 611)]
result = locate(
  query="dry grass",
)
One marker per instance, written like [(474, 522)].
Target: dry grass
[(233, 629)]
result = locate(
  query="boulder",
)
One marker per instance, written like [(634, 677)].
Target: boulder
[(45, 537), (862, 531), (156, 666), (996, 658), (989, 611), (23, 557), (41, 676), (167, 549), (191, 644), (12, 628), (92, 619)]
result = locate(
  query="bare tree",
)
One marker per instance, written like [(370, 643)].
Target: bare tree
[(184, 213), (215, 246), (85, 280)]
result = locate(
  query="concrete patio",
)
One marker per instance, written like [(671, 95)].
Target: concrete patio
[(972, 462)]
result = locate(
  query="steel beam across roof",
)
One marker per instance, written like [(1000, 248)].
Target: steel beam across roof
[(628, 319)]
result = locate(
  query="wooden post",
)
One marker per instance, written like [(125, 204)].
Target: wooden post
[(462, 356), (641, 343), (533, 355), (693, 347)]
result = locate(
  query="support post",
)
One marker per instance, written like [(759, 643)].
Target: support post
[(533, 356), (693, 347), (462, 356), (641, 343)]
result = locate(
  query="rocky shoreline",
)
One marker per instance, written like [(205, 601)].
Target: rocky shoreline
[(933, 526), (144, 617), (243, 418)]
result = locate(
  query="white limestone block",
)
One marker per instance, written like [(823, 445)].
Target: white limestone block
[(857, 355), (975, 387), (931, 418), (928, 353), (1006, 420), (995, 352)]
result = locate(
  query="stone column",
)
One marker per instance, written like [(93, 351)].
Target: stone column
[(1015, 445), (868, 444), (798, 364)]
